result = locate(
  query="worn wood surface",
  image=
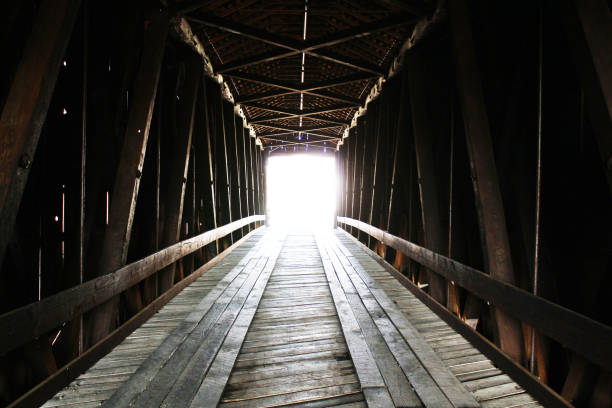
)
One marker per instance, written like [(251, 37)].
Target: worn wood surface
[(536, 311), (294, 320), (488, 385), (116, 368), (35, 319), (487, 193)]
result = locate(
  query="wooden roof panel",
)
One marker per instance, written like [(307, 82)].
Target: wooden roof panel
[(287, 81)]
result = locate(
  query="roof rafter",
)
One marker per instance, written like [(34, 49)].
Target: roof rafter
[(292, 133), (298, 47), (302, 87), (321, 94), (291, 113), (299, 129)]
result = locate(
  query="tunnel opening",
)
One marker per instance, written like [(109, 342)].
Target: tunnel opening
[(301, 191)]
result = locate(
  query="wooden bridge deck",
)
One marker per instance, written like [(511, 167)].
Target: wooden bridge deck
[(294, 320)]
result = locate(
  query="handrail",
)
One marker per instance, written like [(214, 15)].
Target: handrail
[(579, 333), (31, 321)]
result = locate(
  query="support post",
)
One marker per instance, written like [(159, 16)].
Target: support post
[(428, 185), (210, 149), (489, 205), (177, 169), (127, 179)]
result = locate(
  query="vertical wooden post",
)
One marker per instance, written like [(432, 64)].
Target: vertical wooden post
[(174, 195), (364, 134), (489, 203), (346, 185), (251, 144), (258, 208), (78, 322), (376, 127), (127, 180), (245, 175), (235, 171), (210, 149), (401, 124), (354, 172), (428, 185), (26, 105), (226, 190)]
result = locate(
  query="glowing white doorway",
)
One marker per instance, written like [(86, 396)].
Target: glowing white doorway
[(301, 191)]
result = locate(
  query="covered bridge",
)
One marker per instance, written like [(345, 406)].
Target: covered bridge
[(469, 258)]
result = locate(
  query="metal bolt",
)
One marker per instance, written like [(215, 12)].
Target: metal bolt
[(25, 161)]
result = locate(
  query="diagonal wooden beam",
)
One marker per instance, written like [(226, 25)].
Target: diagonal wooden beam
[(487, 194), (360, 31), (321, 94), (127, 180), (311, 47), (317, 143), (285, 134), (265, 121), (254, 60), (27, 103), (300, 129), (289, 86), (289, 113), (247, 31), (174, 193)]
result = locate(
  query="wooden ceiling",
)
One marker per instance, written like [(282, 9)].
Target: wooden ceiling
[(300, 69)]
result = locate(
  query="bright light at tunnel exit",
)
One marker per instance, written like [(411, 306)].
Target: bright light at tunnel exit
[(301, 191)]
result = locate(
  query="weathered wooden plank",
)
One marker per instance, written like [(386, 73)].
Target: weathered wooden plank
[(533, 310), (367, 370), (35, 319), (64, 375), (147, 371), (489, 204), (129, 170), (427, 177), (176, 177), (435, 377), (215, 373), (518, 373)]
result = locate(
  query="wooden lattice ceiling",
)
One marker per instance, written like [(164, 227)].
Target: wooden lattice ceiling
[(300, 69)]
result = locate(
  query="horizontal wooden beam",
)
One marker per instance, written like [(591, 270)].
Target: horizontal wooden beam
[(318, 143), (577, 332), (296, 135), (308, 47), (31, 321), (298, 129), (289, 86), (62, 377), (322, 94), (518, 373), (292, 113)]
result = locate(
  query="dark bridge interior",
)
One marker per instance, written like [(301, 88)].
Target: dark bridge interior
[(473, 146)]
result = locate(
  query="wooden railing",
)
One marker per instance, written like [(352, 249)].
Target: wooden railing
[(575, 331), (31, 321)]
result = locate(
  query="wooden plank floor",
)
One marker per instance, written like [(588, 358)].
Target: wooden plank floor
[(97, 384), (294, 320), (491, 387), (294, 352)]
